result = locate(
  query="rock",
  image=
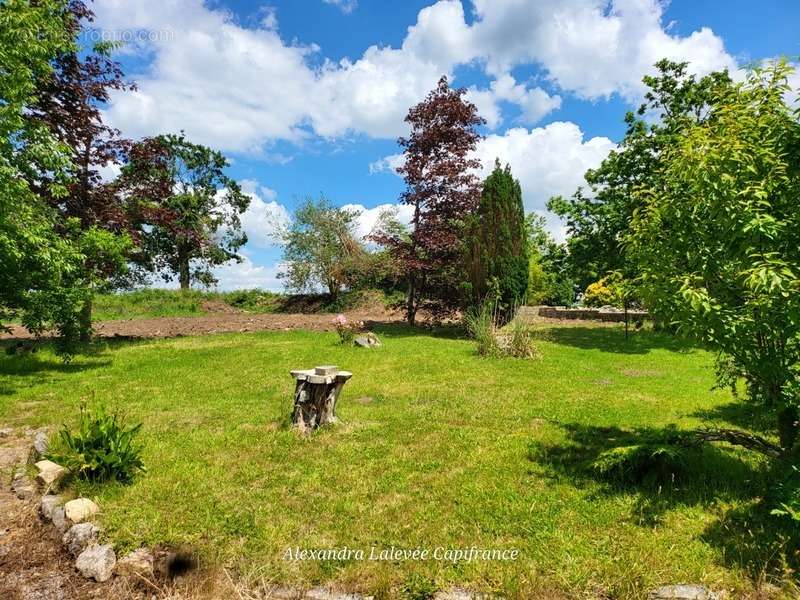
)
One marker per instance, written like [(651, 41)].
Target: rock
[(458, 594), (368, 340), (683, 592), (79, 537), (138, 562), (610, 309), (6, 432), (97, 562), (320, 593), (22, 486), (60, 519), (48, 506), (50, 474), (39, 448), (281, 592), (80, 510)]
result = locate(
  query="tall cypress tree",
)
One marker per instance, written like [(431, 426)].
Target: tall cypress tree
[(497, 247)]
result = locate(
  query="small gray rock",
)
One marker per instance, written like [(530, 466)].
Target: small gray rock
[(48, 505), (22, 486), (683, 592), (368, 340), (6, 432), (60, 520), (40, 446), (320, 593), (281, 592), (458, 594), (138, 562), (97, 562), (79, 537)]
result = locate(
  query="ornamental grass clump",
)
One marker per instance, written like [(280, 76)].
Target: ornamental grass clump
[(519, 341), (480, 323), (515, 340)]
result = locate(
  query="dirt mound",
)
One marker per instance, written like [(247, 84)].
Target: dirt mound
[(217, 306)]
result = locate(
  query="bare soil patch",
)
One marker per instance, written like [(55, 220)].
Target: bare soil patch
[(220, 322), (33, 563)]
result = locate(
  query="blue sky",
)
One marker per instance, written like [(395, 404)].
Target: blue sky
[(308, 96)]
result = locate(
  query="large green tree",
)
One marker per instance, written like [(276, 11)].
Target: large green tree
[(716, 239), (320, 248), (497, 243), (598, 218), (40, 271), (69, 98), (192, 222)]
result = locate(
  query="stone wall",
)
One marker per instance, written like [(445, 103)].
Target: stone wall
[(591, 314)]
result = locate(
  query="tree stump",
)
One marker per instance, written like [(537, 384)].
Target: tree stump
[(315, 394)]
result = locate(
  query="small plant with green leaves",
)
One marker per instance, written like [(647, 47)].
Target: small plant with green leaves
[(103, 448)]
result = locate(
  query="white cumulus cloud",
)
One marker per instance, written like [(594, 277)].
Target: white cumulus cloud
[(241, 88), (368, 217)]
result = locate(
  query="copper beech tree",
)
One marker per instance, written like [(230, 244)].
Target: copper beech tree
[(443, 190)]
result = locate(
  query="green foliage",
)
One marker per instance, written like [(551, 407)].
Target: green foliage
[(659, 458), (419, 587), (40, 278), (598, 219), (102, 448), (186, 181), (497, 244), (548, 277), (717, 241), (786, 499), (608, 291), (320, 248)]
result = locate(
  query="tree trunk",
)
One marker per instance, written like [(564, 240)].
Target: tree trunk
[(315, 394), (411, 305), (787, 427), (85, 320), (183, 271)]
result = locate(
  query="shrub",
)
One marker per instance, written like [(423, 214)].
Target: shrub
[(605, 292), (787, 499), (347, 331), (659, 456), (103, 448)]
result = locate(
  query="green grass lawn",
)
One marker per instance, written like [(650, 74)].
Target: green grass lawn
[(436, 448)]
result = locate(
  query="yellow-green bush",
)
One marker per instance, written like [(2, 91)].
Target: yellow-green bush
[(607, 291)]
